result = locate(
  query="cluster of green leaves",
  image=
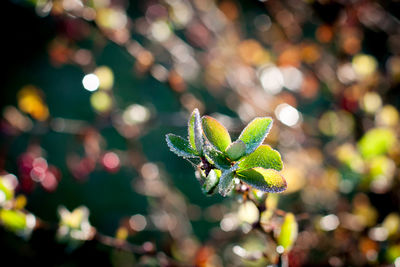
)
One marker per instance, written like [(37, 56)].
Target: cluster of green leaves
[(12, 214), (74, 227), (219, 161)]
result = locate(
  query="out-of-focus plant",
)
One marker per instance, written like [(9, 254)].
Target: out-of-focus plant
[(74, 226), (12, 214)]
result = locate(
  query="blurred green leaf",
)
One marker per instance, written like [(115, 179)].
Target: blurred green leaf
[(74, 219), (8, 193), (255, 132), (392, 253), (216, 133), (253, 247), (264, 156), (376, 142), (13, 220), (380, 166), (195, 132), (180, 146), (288, 233), (236, 150), (267, 180)]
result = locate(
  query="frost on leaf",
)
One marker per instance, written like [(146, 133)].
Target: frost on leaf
[(180, 146)]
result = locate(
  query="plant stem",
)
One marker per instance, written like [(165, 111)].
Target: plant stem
[(206, 166), (283, 260)]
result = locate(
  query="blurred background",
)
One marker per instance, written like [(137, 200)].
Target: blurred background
[(89, 89)]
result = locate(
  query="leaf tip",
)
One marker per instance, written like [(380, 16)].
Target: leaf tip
[(215, 133), (267, 180), (180, 146), (236, 150), (255, 132), (195, 135)]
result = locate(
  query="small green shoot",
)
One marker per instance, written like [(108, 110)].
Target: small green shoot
[(222, 161)]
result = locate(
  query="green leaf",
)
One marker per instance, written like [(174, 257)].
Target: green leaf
[(267, 180), (236, 150), (376, 142), (195, 132), (255, 132), (13, 220), (217, 157), (392, 253), (226, 182), (8, 193), (216, 133), (180, 146), (379, 167), (265, 157), (211, 182), (289, 230)]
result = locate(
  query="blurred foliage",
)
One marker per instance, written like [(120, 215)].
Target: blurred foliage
[(91, 88)]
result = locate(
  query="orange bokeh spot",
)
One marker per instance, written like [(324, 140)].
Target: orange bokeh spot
[(31, 102), (229, 9), (251, 52), (310, 53), (324, 34), (290, 57)]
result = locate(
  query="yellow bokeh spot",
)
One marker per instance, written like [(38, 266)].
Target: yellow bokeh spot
[(387, 116), (160, 30), (20, 202), (371, 102), (101, 101), (31, 102), (333, 123), (75, 218), (381, 166), (248, 212), (106, 77), (364, 65), (252, 53), (100, 3), (111, 19), (329, 123), (310, 53), (392, 223), (348, 154), (122, 233), (295, 178), (366, 214)]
